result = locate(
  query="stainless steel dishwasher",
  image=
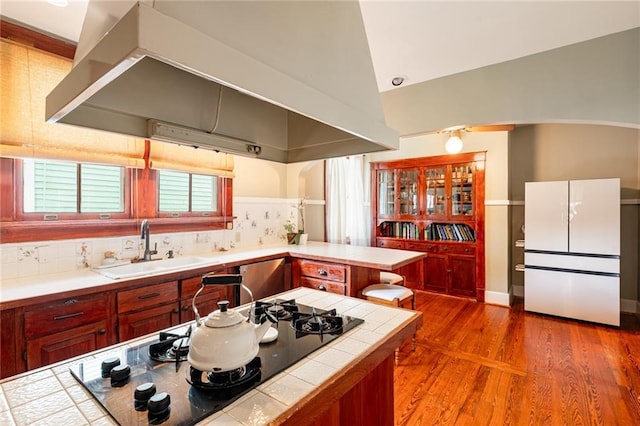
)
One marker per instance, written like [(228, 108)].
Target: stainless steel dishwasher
[(265, 279)]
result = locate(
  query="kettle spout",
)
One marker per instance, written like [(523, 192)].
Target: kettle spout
[(261, 329)]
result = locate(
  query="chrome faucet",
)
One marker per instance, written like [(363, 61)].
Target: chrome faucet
[(144, 234)]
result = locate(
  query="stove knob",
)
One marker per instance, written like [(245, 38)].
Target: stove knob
[(159, 406), (108, 364), (142, 394), (120, 375)]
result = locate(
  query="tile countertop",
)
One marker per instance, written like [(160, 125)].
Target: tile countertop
[(371, 257), (50, 395)]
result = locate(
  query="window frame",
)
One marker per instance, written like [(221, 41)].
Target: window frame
[(20, 215), (141, 195), (216, 213)]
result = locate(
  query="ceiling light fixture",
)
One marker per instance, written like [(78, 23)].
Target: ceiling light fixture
[(398, 80), (454, 143)]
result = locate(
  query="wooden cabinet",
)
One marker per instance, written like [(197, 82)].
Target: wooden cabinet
[(147, 309), (434, 205), (207, 300), (65, 328), (332, 277), (324, 276)]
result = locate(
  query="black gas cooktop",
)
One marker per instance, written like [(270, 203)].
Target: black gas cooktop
[(138, 375)]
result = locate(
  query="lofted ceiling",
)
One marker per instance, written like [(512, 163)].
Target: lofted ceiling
[(422, 39)]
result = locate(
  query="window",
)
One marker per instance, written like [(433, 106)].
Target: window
[(180, 192), (56, 187)]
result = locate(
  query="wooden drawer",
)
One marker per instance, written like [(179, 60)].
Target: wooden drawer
[(457, 249), (64, 314), (190, 286), (393, 244), (144, 297), (323, 271), (330, 286), (426, 247)]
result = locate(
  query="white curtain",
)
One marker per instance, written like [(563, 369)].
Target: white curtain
[(347, 215)]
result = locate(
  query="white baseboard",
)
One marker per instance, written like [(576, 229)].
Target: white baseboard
[(498, 298)]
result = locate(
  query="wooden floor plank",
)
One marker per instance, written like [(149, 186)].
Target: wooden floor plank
[(478, 364)]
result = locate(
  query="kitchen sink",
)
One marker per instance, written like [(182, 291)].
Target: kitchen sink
[(132, 270)]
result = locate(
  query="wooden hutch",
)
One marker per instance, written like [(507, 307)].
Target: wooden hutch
[(433, 205)]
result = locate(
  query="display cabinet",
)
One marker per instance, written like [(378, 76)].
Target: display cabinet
[(434, 205)]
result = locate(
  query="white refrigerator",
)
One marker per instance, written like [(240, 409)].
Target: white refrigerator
[(572, 249)]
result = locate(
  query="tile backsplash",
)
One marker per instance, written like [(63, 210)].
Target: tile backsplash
[(259, 221)]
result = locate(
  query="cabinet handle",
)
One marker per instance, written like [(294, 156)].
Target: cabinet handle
[(176, 311), (445, 249), (70, 301), (467, 250), (63, 317), (322, 288), (186, 308), (322, 272), (102, 331), (148, 296)]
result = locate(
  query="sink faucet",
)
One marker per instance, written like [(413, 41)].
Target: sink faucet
[(144, 234)]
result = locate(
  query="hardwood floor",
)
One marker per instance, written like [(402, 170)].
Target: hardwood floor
[(478, 364)]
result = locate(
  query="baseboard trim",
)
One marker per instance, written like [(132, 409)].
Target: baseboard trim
[(498, 298)]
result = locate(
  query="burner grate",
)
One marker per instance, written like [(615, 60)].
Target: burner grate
[(318, 323)]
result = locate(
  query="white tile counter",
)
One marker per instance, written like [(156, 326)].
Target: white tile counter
[(52, 396), (371, 257)]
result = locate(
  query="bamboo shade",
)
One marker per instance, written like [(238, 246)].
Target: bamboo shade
[(28, 75), (184, 158)]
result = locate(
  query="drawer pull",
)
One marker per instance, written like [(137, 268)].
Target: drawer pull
[(102, 331), (70, 301), (445, 249), (322, 272), (176, 311), (322, 288), (64, 317), (148, 296)]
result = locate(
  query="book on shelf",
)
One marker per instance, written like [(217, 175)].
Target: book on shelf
[(449, 232)]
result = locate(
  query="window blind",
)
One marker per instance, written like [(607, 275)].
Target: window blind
[(28, 75)]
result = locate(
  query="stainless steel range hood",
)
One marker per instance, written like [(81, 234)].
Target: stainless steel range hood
[(283, 81)]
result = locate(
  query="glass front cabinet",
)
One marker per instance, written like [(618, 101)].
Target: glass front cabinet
[(434, 205)]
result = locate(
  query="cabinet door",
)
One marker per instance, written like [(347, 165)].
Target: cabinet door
[(435, 193), (545, 216), (147, 321), (408, 192), (386, 193), (594, 216), (463, 275), (66, 344), (435, 273), (462, 194)]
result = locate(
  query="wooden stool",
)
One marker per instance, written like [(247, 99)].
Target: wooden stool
[(393, 295)]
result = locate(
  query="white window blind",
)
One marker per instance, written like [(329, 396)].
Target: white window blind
[(182, 192), (52, 187)]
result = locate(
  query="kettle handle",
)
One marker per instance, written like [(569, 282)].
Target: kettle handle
[(218, 279)]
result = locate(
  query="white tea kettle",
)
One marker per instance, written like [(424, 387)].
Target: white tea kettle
[(225, 340)]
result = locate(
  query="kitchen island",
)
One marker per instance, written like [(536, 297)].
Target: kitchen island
[(348, 381)]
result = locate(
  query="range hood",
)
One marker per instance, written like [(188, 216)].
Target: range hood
[(282, 81)]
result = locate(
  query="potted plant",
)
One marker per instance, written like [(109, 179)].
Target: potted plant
[(290, 227)]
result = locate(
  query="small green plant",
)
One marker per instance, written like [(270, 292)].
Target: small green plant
[(290, 227)]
